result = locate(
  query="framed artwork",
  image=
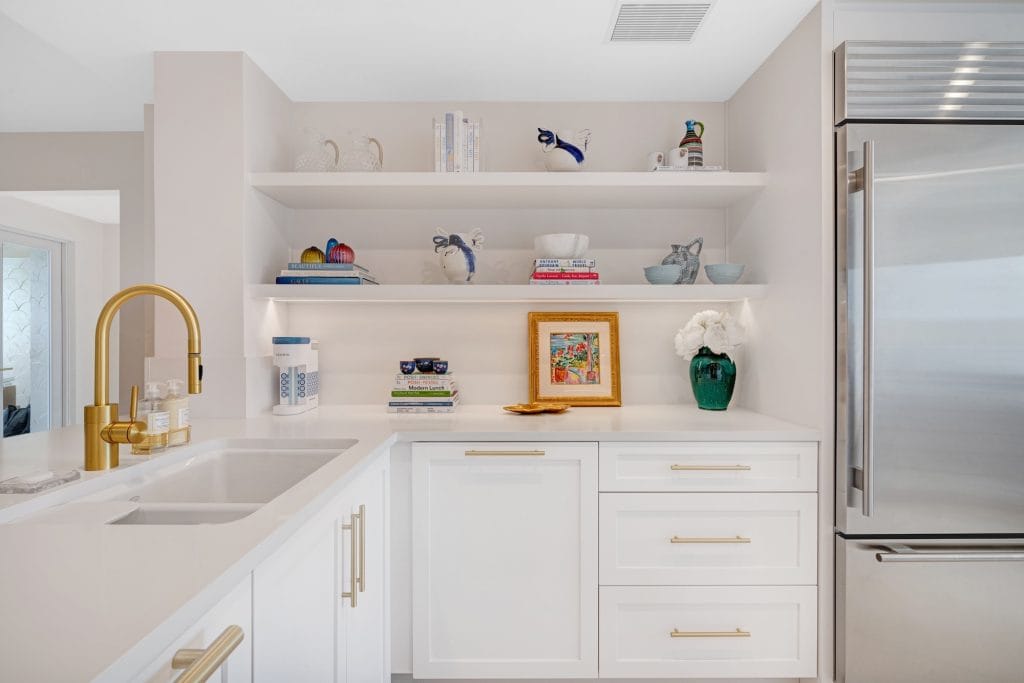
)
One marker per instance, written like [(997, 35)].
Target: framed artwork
[(574, 359)]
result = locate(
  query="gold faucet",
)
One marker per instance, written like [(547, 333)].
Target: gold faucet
[(103, 430)]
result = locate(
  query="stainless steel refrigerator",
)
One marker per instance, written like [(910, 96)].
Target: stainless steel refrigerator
[(929, 362)]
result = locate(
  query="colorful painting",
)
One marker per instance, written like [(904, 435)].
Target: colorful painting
[(575, 358)]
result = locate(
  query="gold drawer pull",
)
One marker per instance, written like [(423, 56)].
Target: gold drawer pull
[(710, 468), (353, 567), (362, 548), (709, 539), (738, 633), (484, 453), (199, 665)]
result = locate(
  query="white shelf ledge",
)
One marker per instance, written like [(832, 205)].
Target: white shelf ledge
[(506, 293), (527, 189)]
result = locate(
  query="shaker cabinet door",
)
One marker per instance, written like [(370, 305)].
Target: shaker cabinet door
[(504, 560)]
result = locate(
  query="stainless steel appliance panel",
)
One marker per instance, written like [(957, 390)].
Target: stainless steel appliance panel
[(928, 611), (930, 365)]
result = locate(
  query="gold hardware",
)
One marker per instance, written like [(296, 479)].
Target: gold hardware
[(103, 431), (353, 581), (710, 468), (485, 453), (709, 539), (362, 548), (199, 665), (738, 633)]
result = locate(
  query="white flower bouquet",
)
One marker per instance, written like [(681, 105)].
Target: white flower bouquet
[(714, 329)]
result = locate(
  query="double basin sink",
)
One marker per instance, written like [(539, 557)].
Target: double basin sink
[(208, 484)]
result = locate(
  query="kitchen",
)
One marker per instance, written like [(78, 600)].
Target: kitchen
[(635, 535)]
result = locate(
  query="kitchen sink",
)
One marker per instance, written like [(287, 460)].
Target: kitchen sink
[(186, 514), (213, 483)]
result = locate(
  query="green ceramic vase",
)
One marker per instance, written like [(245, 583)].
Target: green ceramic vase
[(713, 377)]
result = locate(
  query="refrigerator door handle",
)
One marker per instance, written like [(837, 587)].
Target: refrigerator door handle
[(863, 179), (906, 554)]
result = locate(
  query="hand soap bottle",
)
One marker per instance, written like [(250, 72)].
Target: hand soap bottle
[(151, 411), (176, 405)]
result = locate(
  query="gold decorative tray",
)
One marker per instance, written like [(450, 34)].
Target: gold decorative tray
[(536, 408)]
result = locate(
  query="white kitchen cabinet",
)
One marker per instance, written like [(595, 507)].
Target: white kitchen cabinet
[(708, 631), (233, 610), (709, 466), (304, 628), (504, 560), (708, 538), (364, 622)]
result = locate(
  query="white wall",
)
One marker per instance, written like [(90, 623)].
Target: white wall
[(94, 161), (92, 283), (923, 20)]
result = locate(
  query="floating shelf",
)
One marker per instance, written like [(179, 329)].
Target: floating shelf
[(521, 190), (505, 293)]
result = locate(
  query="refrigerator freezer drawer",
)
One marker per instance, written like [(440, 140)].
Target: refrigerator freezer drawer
[(939, 611), (708, 632), (708, 538)]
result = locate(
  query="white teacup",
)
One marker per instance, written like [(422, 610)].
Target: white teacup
[(676, 157)]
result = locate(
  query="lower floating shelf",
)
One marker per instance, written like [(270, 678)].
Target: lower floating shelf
[(505, 293)]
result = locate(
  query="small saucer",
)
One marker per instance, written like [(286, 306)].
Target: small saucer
[(536, 408)]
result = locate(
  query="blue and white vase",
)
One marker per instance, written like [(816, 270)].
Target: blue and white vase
[(563, 152), (457, 255)]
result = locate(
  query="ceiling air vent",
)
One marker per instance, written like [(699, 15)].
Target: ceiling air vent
[(664, 22)]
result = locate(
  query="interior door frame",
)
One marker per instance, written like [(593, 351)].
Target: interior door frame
[(62, 366)]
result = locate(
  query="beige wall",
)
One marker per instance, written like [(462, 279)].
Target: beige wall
[(94, 161)]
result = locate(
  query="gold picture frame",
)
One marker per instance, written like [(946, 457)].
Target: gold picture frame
[(574, 359)]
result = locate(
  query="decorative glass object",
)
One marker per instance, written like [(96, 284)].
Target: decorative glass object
[(713, 378), (321, 154), (357, 155)]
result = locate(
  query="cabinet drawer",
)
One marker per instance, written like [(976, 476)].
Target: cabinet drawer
[(709, 466), (708, 538), (709, 631)]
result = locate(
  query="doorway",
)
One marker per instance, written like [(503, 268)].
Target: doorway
[(32, 367)]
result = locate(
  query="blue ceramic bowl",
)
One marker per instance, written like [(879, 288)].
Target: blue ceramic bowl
[(663, 275), (407, 366), (440, 366), (425, 364), (724, 273)]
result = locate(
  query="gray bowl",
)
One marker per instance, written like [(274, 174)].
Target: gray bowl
[(724, 273), (663, 275)]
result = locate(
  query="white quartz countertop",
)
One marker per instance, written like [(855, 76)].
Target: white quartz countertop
[(83, 601)]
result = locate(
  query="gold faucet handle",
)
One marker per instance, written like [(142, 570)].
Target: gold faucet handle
[(130, 431)]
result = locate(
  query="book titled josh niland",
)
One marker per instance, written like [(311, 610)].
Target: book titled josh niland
[(295, 280)]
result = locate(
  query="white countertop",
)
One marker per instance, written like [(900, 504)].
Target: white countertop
[(81, 601)]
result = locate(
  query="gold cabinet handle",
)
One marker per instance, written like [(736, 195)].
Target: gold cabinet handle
[(710, 468), (362, 548), (199, 665), (353, 577), (709, 539), (534, 453), (738, 633)]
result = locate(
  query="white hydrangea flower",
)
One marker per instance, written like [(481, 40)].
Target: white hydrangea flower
[(717, 330)]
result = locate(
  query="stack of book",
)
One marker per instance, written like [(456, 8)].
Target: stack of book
[(456, 143), (423, 393), (325, 274), (565, 271)]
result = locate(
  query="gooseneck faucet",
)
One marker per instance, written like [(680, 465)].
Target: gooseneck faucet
[(104, 432)]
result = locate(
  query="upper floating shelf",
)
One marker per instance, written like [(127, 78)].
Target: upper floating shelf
[(506, 293), (506, 190)]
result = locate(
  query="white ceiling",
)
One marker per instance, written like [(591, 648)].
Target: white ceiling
[(101, 206), (72, 65)]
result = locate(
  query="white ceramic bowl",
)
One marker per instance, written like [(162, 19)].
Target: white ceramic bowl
[(663, 275), (561, 245), (724, 273)]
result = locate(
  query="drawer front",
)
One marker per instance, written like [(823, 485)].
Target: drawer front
[(708, 538), (709, 631), (709, 466)]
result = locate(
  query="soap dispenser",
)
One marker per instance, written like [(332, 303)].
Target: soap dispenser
[(151, 411), (176, 405)]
